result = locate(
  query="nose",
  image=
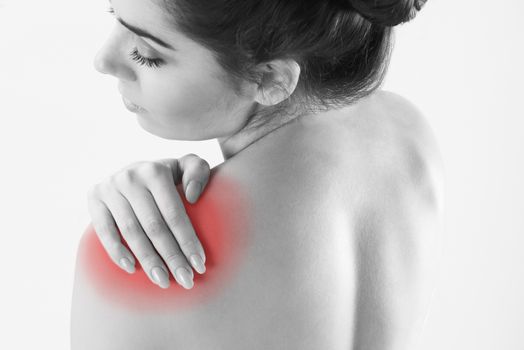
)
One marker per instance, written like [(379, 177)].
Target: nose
[(109, 60)]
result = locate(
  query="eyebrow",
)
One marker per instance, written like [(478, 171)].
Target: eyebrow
[(142, 33)]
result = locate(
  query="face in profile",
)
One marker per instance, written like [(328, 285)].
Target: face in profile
[(177, 83)]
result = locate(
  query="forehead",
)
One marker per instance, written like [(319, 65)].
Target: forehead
[(149, 15)]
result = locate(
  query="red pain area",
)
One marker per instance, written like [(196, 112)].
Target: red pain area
[(220, 220)]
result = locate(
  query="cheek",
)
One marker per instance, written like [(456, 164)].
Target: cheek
[(189, 96)]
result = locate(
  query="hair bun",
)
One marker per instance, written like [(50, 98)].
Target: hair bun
[(387, 12)]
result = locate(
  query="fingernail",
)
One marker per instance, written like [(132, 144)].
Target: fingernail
[(126, 264), (183, 276), (193, 190), (160, 276), (197, 263)]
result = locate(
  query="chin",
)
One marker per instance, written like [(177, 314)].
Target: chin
[(169, 133), (159, 131), (146, 125)]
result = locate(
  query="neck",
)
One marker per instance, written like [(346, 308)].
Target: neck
[(261, 123)]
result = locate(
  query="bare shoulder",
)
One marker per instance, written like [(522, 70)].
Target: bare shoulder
[(397, 225), (401, 146), (348, 153), (383, 137), (381, 160), (417, 144), (373, 174)]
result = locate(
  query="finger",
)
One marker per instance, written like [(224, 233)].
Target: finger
[(195, 175), (107, 232), (175, 216), (159, 234), (136, 238), (172, 163)]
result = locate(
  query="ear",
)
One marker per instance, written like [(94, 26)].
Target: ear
[(279, 80)]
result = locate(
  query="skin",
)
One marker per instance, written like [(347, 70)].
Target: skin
[(341, 246), (187, 98), (326, 274)]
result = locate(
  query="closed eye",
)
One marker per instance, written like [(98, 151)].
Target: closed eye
[(137, 56)]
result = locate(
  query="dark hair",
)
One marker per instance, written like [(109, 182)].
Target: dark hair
[(343, 47)]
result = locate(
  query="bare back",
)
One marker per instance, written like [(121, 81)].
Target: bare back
[(294, 281)]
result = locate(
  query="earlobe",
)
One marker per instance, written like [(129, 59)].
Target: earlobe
[(279, 80), (272, 96)]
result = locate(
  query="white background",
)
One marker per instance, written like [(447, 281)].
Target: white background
[(64, 128)]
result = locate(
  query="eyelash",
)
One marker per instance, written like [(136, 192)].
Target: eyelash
[(137, 57), (150, 62)]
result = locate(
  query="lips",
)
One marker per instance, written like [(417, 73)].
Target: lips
[(131, 106)]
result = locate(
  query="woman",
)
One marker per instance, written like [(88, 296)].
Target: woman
[(319, 230)]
